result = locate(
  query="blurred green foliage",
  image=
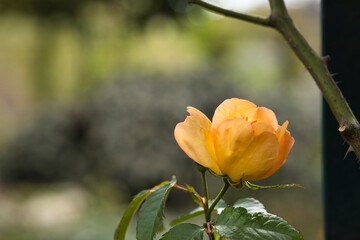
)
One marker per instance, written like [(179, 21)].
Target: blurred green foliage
[(90, 93), (139, 11)]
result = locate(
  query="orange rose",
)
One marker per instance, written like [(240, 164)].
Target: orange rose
[(243, 142)]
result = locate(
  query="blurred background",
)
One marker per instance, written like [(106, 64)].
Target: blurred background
[(90, 93)]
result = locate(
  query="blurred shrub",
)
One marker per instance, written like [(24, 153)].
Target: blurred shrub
[(124, 133), (57, 53), (61, 59)]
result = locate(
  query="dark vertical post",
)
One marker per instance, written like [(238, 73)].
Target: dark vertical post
[(341, 41)]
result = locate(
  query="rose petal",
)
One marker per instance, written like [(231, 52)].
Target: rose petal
[(258, 158), (285, 146), (231, 138), (193, 136), (260, 127), (282, 131), (233, 108), (263, 114)]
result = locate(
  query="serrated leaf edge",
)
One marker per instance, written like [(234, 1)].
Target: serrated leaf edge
[(228, 209), (192, 236), (171, 185), (120, 232)]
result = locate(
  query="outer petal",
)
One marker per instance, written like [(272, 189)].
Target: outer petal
[(263, 114), (285, 146), (193, 136), (260, 127), (256, 161), (281, 131), (231, 138), (233, 108)]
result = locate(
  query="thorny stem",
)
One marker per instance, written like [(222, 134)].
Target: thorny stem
[(281, 21), (229, 13)]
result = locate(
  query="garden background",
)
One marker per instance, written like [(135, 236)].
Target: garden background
[(90, 93)]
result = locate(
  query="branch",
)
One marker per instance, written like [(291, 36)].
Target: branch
[(228, 13), (349, 127), (280, 20)]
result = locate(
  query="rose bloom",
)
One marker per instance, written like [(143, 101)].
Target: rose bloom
[(243, 142)]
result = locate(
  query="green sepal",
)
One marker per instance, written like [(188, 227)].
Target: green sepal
[(200, 168), (203, 169), (184, 231), (216, 175), (151, 212), (257, 187), (134, 205), (237, 185)]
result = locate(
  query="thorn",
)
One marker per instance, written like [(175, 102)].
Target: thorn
[(332, 75), (342, 128), (350, 149), (326, 58)]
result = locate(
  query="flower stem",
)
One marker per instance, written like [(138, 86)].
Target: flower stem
[(206, 194), (217, 199), (206, 203), (209, 231)]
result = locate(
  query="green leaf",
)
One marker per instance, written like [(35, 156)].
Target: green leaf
[(151, 212), (251, 205), (237, 223), (186, 217), (134, 205), (219, 206), (198, 212), (129, 214), (184, 231)]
